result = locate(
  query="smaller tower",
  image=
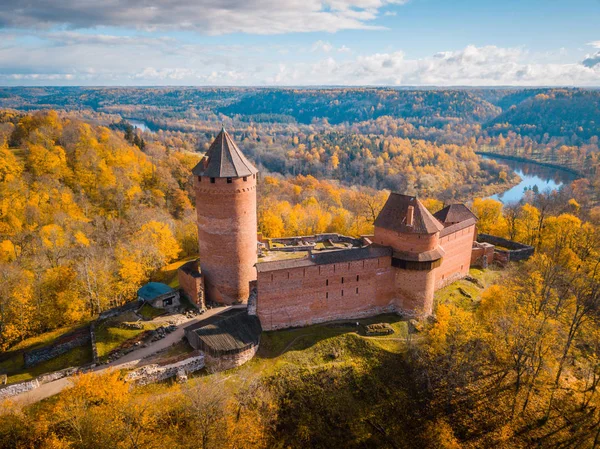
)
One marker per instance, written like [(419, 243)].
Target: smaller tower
[(413, 233), (225, 184)]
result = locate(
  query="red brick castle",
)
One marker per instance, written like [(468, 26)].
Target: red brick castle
[(310, 279)]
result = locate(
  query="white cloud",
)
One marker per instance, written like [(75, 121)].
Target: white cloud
[(154, 62), (322, 46), (595, 44), (203, 16)]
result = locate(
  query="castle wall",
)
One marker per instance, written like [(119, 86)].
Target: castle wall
[(457, 260), (227, 236), (307, 295)]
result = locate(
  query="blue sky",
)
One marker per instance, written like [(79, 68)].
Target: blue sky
[(300, 42)]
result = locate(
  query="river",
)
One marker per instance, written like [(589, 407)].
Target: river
[(532, 174)]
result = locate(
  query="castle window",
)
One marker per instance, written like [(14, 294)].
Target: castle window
[(245, 178), (357, 290), (212, 180), (229, 180), (326, 295), (326, 282), (199, 178), (342, 280), (342, 292), (357, 277)]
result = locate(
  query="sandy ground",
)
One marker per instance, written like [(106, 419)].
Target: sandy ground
[(128, 361)]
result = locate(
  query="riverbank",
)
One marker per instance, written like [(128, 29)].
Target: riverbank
[(529, 161)]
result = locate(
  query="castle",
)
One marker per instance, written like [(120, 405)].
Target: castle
[(304, 280)]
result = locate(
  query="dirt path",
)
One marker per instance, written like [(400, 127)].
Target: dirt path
[(128, 361)]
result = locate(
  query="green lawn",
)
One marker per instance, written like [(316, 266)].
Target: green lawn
[(14, 365), (17, 372), (455, 292), (110, 335), (149, 312), (168, 274)]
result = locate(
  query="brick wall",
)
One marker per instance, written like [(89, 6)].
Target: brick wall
[(315, 294), (227, 236), (405, 242), (192, 283), (457, 260)]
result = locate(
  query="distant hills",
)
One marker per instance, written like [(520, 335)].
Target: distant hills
[(538, 113)]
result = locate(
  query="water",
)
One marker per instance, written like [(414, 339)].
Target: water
[(531, 174), (140, 125)]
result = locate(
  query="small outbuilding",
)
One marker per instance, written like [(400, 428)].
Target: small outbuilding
[(159, 295), (228, 339)]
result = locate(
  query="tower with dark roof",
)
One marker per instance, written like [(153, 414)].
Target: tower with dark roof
[(225, 184), (413, 233)]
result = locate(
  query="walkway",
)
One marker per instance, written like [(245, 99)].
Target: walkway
[(128, 361)]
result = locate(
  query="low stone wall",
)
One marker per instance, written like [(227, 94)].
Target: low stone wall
[(516, 251), (16, 389), (128, 307), (95, 357), (215, 364), (156, 373), (22, 387), (64, 344)]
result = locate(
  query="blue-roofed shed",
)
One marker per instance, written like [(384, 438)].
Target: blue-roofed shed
[(159, 295)]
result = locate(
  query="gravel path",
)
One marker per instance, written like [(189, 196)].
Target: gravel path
[(128, 361)]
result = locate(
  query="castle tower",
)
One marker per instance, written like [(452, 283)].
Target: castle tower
[(225, 184), (413, 233)]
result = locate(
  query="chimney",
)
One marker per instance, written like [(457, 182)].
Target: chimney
[(410, 213)]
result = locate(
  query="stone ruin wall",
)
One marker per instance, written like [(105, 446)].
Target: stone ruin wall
[(156, 373), (11, 390), (215, 364), (64, 344), (307, 295)]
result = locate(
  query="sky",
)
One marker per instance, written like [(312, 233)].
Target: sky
[(300, 42)]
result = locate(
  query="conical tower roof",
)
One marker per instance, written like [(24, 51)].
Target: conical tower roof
[(224, 160), (394, 216)]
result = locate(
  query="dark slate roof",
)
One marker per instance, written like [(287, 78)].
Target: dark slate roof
[(230, 331), (454, 213), (394, 212), (327, 257), (224, 160), (424, 256), (153, 290)]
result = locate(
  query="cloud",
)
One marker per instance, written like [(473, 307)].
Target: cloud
[(212, 17), (592, 60), (322, 46), (595, 44), (148, 61)]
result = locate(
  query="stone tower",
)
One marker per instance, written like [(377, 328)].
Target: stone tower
[(225, 184)]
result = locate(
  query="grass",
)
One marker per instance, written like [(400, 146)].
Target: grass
[(16, 371), (149, 312), (453, 293), (168, 274), (110, 335), (14, 366)]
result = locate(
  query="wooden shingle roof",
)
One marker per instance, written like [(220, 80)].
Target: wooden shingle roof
[(394, 215), (224, 160)]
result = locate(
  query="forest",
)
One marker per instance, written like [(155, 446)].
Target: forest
[(91, 208)]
